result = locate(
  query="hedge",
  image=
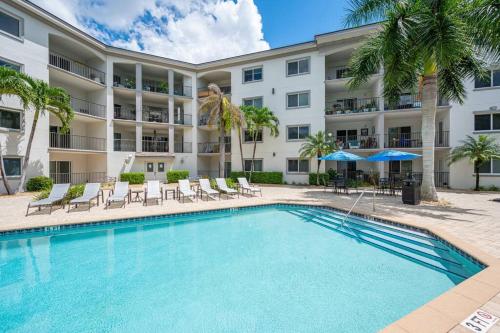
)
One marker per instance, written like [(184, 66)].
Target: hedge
[(132, 177), (323, 178), (74, 191), (39, 183), (273, 177), (173, 176), (229, 182)]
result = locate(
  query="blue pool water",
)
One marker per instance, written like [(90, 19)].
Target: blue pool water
[(268, 269)]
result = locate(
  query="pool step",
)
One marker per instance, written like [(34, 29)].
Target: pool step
[(397, 247)]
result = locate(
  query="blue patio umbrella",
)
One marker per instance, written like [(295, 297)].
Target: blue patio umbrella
[(392, 155), (341, 155)]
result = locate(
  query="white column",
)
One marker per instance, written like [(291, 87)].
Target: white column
[(138, 107), (171, 110)]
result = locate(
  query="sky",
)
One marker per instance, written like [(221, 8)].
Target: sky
[(200, 30)]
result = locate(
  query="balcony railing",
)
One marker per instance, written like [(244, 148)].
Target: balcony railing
[(183, 147), (414, 140), (78, 142), (352, 105), (157, 86), (78, 178), (406, 101), (204, 92), (358, 141), (183, 119), (155, 146), (88, 108), (212, 148), (77, 68), (183, 90), (125, 112), (124, 145), (124, 81), (154, 114), (203, 120)]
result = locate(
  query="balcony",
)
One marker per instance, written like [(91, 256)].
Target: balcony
[(183, 90), (212, 148), (411, 101), (78, 178), (352, 105), (414, 140), (78, 68), (203, 120), (155, 146), (88, 108), (204, 92), (125, 112), (357, 141), (183, 147), (76, 142), (124, 81), (124, 145), (154, 114), (183, 119), (155, 86)]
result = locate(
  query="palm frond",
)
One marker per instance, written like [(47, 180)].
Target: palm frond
[(366, 11)]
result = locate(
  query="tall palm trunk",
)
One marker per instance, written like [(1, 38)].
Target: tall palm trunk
[(3, 174), (28, 151), (222, 152), (476, 170), (429, 105), (317, 170), (241, 150), (253, 154)]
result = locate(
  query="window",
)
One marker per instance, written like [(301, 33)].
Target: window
[(487, 122), (492, 79), (161, 167), (254, 101), (10, 119), (248, 137), (257, 165), (297, 132), (8, 64), (492, 166), (297, 67), (297, 166), (10, 24), (12, 166), (297, 100), (252, 74)]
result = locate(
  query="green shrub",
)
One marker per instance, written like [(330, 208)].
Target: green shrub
[(132, 177), (493, 188), (323, 178), (332, 173), (173, 176), (74, 191), (229, 182), (260, 177), (39, 183)]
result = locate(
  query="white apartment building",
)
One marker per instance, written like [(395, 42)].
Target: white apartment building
[(138, 112)]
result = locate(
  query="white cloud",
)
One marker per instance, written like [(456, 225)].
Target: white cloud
[(189, 30)]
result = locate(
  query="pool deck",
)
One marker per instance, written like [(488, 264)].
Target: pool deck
[(470, 221)]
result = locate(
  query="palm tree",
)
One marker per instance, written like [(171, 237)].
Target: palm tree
[(38, 95), (222, 113), (477, 151), (430, 46), (238, 122), (316, 146), (257, 119)]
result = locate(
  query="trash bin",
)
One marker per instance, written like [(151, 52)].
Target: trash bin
[(411, 192)]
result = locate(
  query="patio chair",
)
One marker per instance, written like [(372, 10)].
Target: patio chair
[(119, 194), (90, 193), (56, 196), (153, 191), (340, 185), (245, 186), (185, 190), (221, 184), (207, 189)]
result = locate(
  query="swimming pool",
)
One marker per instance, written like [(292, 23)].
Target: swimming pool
[(276, 268)]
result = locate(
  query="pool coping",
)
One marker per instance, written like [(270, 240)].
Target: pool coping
[(442, 314)]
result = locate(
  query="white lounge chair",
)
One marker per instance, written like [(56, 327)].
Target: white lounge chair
[(153, 192), (245, 186), (90, 193), (207, 189), (56, 196), (222, 186), (185, 190), (120, 194)]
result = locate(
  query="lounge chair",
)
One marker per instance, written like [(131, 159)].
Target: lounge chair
[(245, 186), (221, 184), (185, 190), (120, 194), (90, 193), (56, 196), (153, 192), (207, 189)]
